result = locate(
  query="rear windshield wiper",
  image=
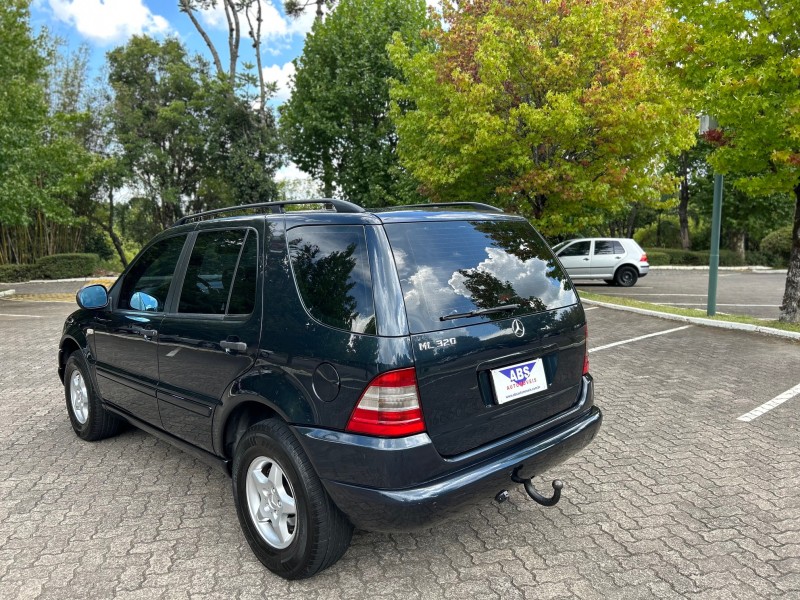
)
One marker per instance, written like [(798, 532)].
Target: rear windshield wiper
[(480, 311)]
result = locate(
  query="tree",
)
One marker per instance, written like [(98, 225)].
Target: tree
[(745, 58), (336, 124), (556, 110), (295, 8), (155, 120)]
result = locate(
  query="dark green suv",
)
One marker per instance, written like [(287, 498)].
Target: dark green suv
[(348, 368)]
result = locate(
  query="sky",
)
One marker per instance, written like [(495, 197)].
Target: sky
[(105, 24)]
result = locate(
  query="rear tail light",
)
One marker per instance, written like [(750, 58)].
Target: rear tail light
[(644, 257), (389, 407), (586, 350)]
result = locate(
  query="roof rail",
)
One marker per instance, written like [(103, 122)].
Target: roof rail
[(476, 205), (341, 206)]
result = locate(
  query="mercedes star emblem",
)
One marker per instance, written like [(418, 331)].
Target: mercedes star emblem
[(518, 328)]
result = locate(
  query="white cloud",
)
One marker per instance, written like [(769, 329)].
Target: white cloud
[(108, 21), (290, 172), (273, 25), (282, 76)]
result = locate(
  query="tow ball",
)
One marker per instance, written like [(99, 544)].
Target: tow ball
[(536, 496)]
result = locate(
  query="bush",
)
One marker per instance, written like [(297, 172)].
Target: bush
[(657, 259), (667, 233), (693, 258), (18, 272), (63, 266), (778, 244)]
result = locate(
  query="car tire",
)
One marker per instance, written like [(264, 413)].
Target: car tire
[(90, 420), (626, 276), (288, 519)]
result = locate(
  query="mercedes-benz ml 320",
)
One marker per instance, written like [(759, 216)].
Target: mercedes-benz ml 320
[(348, 368)]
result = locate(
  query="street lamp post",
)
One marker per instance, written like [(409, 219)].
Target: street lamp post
[(707, 123)]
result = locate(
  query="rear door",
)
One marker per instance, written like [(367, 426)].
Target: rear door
[(576, 258), (211, 334), (606, 255), (469, 368)]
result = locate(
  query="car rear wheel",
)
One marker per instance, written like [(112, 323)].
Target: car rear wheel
[(89, 418), (288, 519), (626, 276)]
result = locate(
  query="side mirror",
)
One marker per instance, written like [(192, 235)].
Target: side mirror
[(92, 297), (142, 301)]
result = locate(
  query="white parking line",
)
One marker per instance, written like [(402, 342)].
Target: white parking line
[(590, 308), (26, 316), (636, 339), (718, 304), (768, 406), (622, 295)]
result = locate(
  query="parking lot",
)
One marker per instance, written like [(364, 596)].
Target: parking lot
[(755, 293), (676, 497)]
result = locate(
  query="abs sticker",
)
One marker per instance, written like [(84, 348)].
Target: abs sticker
[(518, 380)]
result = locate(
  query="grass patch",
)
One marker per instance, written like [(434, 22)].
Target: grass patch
[(690, 312)]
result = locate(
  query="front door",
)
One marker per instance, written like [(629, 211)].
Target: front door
[(576, 258), (212, 334), (126, 336)]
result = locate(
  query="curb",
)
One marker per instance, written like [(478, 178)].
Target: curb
[(752, 269), (7, 293), (792, 335)]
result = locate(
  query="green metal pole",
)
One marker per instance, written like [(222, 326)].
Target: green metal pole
[(713, 263)]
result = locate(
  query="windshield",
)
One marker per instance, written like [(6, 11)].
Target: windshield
[(483, 270)]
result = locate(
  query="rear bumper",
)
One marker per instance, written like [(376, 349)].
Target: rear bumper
[(357, 483)]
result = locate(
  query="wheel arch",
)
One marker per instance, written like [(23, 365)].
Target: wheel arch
[(237, 419), (67, 346)]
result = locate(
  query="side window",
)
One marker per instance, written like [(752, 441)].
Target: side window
[(147, 283), (243, 295), (331, 269), (576, 249), (210, 271), (604, 247), (618, 249)]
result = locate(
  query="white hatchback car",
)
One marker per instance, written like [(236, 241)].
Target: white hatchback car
[(617, 261)]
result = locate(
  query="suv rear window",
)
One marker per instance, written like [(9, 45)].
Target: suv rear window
[(449, 267), (331, 269)]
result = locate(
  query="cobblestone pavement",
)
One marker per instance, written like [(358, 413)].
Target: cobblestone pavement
[(676, 498)]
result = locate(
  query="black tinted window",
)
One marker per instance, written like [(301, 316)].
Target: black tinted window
[(604, 247), (331, 268), (450, 267), (147, 284), (618, 249), (243, 296), (576, 249), (210, 272)]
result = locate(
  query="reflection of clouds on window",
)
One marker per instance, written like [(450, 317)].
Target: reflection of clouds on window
[(528, 278), (429, 291)]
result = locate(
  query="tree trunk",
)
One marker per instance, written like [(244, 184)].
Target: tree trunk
[(790, 309), (112, 234), (327, 176), (683, 204), (738, 239)]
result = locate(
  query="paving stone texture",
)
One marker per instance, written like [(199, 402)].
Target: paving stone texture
[(674, 499)]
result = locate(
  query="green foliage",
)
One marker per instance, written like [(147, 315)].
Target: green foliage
[(663, 233), (558, 110), (336, 124), (778, 244), (657, 259), (55, 266), (695, 258), (14, 273), (62, 266)]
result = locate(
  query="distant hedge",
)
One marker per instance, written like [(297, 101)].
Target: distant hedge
[(690, 258), (56, 266)]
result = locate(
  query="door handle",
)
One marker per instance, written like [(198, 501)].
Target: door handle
[(146, 333), (585, 259), (233, 346)]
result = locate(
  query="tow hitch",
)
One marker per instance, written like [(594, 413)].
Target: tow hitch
[(537, 497)]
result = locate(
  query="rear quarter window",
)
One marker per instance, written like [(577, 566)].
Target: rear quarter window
[(450, 267), (331, 269)]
